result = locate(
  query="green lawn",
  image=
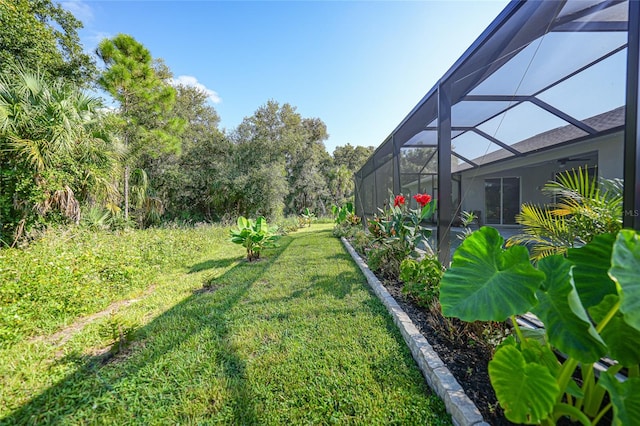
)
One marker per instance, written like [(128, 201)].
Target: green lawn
[(294, 338)]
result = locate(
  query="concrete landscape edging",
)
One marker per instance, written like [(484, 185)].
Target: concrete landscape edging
[(463, 411)]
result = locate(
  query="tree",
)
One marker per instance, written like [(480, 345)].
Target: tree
[(276, 142), (41, 34), (352, 157), (340, 184), (146, 100), (194, 184), (307, 183), (52, 155), (339, 174)]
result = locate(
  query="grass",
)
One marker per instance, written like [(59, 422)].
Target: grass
[(294, 338), (72, 272)]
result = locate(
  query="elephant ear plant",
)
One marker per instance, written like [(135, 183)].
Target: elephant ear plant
[(589, 302), (254, 235)]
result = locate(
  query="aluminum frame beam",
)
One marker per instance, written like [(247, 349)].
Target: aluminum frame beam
[(444, 173), (631, 203)]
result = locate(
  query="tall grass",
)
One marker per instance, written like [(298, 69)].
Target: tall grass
[(72, 272)]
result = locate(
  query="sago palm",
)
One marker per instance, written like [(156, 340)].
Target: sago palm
[(584, 208)]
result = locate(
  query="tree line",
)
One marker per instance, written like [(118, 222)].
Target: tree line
[(156, 154)]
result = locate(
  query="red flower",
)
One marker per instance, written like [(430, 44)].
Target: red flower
[(399, 201), (422, 199)]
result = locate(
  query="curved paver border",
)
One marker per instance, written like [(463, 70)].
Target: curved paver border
[(463, 411)]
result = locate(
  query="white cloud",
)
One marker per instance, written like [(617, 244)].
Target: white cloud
[(80, 9), (188, 80)]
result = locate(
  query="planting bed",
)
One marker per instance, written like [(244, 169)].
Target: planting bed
[(467, 361), (465, 353)]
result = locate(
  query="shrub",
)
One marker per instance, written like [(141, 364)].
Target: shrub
[(345, 214), (421, 279), (583, 210), (385, 259), (255, 236), (288, 225), (307, 217), (361, 241)]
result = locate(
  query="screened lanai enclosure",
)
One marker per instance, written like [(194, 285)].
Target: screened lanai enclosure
[(548, 86)]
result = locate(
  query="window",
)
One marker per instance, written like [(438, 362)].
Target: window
[(502, 200)]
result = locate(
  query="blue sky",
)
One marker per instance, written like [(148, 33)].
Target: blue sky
[(360, 66)]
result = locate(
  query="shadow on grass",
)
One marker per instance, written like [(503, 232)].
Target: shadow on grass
[(210, 264), (102, 385), (339, 286)]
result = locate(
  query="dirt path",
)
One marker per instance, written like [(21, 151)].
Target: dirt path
[(59, 338)]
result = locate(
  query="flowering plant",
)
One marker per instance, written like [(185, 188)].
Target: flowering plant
[(422, 199), (400, 224)]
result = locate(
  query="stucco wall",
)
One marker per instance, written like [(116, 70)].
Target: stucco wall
[(535, 170)]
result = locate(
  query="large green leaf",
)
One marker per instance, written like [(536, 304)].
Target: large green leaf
[(526, 391), (625, 397), (565, 319), (261, 224), (625, 270), (243, 222), (486, 282), (536, 352), (622, 340), (591, 270)]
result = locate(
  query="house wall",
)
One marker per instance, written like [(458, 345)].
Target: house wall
[(536, 169)]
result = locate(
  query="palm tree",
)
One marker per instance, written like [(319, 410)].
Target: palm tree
[(585, 207), (50, 142)]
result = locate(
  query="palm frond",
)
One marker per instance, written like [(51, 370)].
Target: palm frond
[(543, 231)]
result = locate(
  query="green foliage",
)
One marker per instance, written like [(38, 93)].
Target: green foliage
[(466, 220), (42, 34), (385, 259), (345, 213), (278, 162), (195, 184), (526, 389), (96, 218), (352, 157), (421, 279), (361, 241), (146, 99), (254, 236), (403, 226), (307, 217), (288, 225), (70, 272), (588, 302), (346, 221), (583, 210), (339, 172), (53, 152), (258, 347)]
